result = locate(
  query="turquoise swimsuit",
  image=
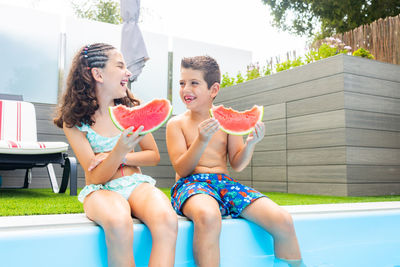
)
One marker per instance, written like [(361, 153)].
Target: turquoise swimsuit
[(123, 185)]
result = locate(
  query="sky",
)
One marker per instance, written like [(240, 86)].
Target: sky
[(243, 24)]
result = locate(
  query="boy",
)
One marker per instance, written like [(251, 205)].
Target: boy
[(203, 191)]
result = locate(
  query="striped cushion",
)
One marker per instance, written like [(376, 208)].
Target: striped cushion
[(21, 147), (17, 121), (18, 130)]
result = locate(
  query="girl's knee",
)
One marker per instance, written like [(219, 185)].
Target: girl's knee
[(169, 219), (118, 223), (165, 218), (165, 225)]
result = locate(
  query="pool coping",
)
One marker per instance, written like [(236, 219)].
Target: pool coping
[(9, 223)]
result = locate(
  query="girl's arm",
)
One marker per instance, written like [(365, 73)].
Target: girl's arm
[(148, 156), (240, 153), (183, 159), (83, 151)]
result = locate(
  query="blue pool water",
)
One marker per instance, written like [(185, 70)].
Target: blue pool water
[(338, 239), (362, 239)]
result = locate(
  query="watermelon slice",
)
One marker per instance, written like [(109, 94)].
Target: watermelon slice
[(236, 122), (152, 115)]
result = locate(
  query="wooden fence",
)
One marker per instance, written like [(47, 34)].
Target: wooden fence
[(381, 38)]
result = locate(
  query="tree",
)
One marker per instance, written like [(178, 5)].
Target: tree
[(100, 10), (304, 17)]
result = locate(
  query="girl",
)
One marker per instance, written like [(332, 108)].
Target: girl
[(115, 187)]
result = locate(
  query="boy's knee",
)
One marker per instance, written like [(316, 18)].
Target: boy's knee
[(285, 223), (205, 218)]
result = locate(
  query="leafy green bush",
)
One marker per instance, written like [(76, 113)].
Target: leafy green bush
[(253, 72), (289, 64), (329, 47), (227, 81), (267, 70), (312, 56), (283, 66), (239, 78), (361, 52)]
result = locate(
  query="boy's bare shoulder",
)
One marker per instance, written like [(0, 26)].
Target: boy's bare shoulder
[(176, 120)]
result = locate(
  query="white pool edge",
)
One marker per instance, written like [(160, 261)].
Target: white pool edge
[(9, 223)]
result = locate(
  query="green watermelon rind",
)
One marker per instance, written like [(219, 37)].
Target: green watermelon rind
[(244, 132), (114, 120)]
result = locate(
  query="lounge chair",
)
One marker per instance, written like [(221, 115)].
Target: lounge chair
[(19, 148)]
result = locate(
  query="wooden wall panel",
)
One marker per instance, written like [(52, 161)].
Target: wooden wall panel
[(269, 158), (363, 102), (371, 86), (317, 139), (373, 174), (328, 189), (378, 189), (317, 174), (270, 187), (372, 120), (373, 156), (318, 121), (317, 156), (372, 138), (317, 104), (269, 174)]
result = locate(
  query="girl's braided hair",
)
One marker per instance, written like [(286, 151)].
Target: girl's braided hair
[(79, 102)]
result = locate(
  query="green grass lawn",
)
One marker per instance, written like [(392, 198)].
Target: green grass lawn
[(14, 202)]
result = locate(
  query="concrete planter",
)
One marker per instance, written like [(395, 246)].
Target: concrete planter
[(333, 128)]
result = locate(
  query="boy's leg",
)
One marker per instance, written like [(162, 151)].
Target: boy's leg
[(112, 212), (152, 206), (278, 222), (204, 211)]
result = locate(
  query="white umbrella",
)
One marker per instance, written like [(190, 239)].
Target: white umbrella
[(132, 44)]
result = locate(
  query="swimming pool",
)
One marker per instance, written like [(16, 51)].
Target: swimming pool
[(329, 235)]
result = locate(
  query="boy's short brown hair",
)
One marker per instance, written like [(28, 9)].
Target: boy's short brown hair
[(205, 64)]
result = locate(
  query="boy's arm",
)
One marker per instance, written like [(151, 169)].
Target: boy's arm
[(240, 153), (183, 159)]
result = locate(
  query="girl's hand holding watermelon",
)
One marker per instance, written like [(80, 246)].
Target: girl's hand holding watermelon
[(257, 134), (129, 139)]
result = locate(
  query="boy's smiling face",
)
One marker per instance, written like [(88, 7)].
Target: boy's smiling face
[(194, 91)]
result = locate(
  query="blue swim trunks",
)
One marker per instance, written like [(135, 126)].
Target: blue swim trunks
[(232, 196)]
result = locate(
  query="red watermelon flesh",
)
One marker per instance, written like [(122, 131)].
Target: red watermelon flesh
[(235, 122), (151, 116)]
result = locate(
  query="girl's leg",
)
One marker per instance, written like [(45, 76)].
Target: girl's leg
[(112, 212), (152, 207), (278, 222), (203, 210)]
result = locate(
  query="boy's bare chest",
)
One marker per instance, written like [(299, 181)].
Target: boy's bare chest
[(218, 141)]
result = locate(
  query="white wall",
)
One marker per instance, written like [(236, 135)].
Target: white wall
[(153, 81), (30, 45)]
